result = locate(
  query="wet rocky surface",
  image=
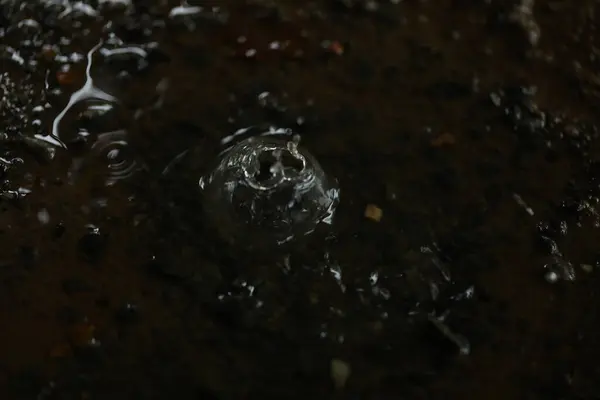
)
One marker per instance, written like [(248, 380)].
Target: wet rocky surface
[(462, 258)]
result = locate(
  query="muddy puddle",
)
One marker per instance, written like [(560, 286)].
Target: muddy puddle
[(339, 199)]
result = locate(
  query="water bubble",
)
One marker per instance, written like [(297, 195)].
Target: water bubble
[(269, 188)]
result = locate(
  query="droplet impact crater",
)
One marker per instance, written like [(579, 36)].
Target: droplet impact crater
[(268, 189)]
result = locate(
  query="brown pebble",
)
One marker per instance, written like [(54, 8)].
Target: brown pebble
[(373, 212), (336, 48), (66, 77), (48, 53), (443, 139)]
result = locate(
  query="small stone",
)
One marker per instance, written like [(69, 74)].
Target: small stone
[(373, 212), (340, 372)]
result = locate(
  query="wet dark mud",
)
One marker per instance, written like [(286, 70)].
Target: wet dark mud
[(461, 261)]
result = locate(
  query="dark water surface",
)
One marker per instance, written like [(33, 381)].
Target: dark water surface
[(462, 259)]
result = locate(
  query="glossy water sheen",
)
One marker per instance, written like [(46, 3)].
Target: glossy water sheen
[(141, 261)]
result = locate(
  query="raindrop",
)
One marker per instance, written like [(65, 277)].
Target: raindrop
[(270, 189)]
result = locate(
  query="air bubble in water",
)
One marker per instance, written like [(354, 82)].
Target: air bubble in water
[(269, 189)]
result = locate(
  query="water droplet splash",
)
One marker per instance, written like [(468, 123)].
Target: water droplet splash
[(268, 187)]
